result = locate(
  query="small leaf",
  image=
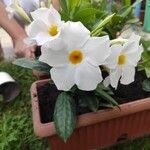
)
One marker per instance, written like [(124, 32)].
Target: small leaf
[(32, 64), (90, 100), (63, 4), (147, 70), (133, 21), (146, 85), (106, 97), (106, 105), (73, 4), (82, 14), (102, 23), (64, 115), (125, 11), (127, 2)]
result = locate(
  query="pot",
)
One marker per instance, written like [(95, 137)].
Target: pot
[(8, 87), (96, 130)]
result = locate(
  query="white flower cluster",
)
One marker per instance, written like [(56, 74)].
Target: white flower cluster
[(75, 56)]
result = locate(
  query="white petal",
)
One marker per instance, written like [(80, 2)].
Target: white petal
[(63, 77), (134, 57), (132, 45), (128, 75), (49, 16), (76, 34), (36, 27), (135, 37), (129, 47), (115, 77), (112, 61), (97, 49), (54, 54), (41, 14), (54, 15), (42, 38), (88, 76)]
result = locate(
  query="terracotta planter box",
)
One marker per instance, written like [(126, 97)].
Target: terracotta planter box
[(96, 130), (40, 75)]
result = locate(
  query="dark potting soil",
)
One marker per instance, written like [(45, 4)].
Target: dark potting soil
[(48, 94)]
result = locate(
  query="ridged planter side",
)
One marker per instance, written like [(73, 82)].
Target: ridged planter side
[(95, 130)]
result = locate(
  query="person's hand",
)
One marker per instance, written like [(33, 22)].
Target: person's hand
[(22, 49)]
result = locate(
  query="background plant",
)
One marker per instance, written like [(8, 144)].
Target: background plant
[(144, 65), (92, 12)]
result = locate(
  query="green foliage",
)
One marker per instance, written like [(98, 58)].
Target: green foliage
[(99, 27), (65, 115), (32, 64), (104, 94), (145, 62), (16, 129), (89, 100), (146, 85), (124, 15), (93, 12)]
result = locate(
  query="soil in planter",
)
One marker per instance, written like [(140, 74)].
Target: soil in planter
[(47, 97), (133, 91), (48, 94)]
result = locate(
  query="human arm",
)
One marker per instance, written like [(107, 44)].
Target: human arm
[(17, 33)]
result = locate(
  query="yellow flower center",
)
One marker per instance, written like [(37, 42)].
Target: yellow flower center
[(75, 57), (53, 30), (122, 59)]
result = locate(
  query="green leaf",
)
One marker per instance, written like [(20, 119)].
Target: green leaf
[(64, 115), (73, 4), (32, 64), (106, 105), (133, 21), (90, 100), (146, 85), (147, 70), (124, 12), (106, 97), (85, 13), (101, 24), (127, 2), (63, 4)]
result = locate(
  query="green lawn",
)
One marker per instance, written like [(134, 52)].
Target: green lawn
[(16, 131)]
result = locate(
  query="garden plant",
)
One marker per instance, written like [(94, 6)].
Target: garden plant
[(89, 66)]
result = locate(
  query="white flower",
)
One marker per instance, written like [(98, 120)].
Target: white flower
[(76, 58), (46, 25), (122, 62)]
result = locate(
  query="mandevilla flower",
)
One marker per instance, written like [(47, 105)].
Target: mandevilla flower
[(46, 25), (76, 58), (122, 62)]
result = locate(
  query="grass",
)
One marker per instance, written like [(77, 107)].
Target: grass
[(138, 144), (16, 129)]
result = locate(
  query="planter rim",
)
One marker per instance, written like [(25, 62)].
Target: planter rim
[(48, 129)]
